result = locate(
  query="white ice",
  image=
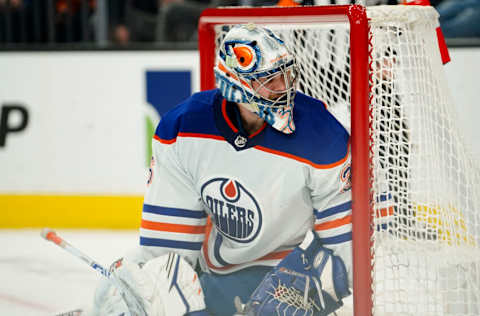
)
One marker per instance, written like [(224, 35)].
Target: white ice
[(39, 278)]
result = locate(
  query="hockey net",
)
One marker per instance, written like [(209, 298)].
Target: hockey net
[(417, 238)]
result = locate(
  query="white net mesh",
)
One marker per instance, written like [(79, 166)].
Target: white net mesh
[(427, 255), (427, 247)]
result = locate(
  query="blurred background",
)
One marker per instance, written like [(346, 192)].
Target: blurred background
[(163, 24), (83, 84)]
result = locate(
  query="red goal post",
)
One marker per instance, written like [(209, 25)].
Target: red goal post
[(416, 187), (355, 16)]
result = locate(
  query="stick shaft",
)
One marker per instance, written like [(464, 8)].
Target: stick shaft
[(132, 301), (52, 236)]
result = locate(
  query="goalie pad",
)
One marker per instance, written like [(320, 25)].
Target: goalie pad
[(309, 281), (165, 286)]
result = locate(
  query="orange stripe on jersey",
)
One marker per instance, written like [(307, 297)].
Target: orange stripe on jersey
[(199, 135), (276, 255), (287, 155), (335, 223), (384, 212), (165, 141), (174, 228)]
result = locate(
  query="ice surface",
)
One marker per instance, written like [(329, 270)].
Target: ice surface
[(39, 278)]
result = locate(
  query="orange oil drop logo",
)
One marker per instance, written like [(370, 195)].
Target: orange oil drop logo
[(230, 190)]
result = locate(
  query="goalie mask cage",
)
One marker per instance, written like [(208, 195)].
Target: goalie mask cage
[(420, 256)]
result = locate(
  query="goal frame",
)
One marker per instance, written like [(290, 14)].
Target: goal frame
[(355, 15)]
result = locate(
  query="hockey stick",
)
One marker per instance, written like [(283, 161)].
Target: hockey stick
[(52, 236), (132, 301)]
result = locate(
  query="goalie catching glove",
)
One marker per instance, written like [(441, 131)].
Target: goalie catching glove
[(165, 286), (311, 280)]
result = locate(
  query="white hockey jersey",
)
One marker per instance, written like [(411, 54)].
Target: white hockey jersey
[(231, 201)]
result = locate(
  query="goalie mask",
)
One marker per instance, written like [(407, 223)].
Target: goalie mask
[(255, 68)]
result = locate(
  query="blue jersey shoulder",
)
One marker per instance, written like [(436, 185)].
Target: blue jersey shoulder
[(318, 136), (194, 115)]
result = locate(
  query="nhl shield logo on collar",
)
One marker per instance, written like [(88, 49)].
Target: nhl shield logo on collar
[(240, 141)]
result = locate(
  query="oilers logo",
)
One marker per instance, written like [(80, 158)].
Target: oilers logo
[(233, 209)]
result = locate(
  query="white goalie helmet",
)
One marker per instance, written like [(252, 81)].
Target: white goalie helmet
[(255, 69)]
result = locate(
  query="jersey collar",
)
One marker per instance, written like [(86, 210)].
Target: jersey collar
[(224, 120)]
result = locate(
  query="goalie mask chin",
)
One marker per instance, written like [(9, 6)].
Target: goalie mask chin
[(255, 69)]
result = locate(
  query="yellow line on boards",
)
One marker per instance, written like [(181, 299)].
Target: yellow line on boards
[(70, 211)]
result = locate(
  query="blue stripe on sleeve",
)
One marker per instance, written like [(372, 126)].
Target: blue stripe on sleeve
[(336, 239), (144, 241), (334, 210), (169, 211)]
